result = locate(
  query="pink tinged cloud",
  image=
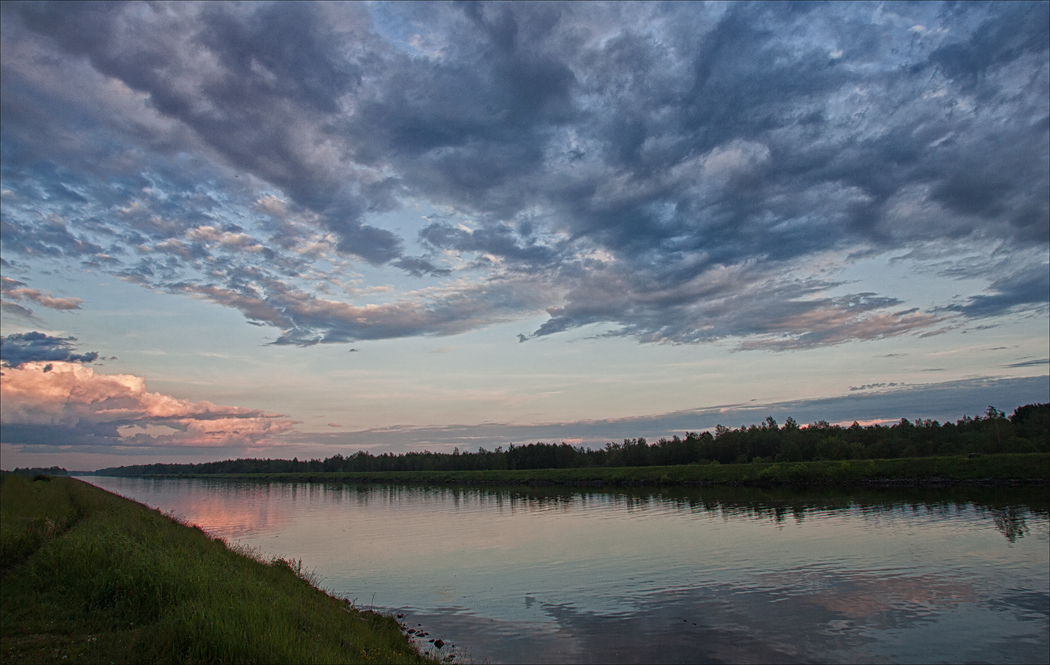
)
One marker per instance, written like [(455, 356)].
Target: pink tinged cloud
[(75, 398), (16, 290)]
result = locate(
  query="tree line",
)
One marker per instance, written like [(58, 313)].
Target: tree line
[(1026, 430), (41, 471)]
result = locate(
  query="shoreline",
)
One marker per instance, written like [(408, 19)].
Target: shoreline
[(1002, 470), (89, 575)]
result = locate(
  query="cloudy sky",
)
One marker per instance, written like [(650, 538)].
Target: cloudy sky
[(307, 229)]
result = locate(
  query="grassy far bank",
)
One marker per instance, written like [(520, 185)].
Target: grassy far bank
[(87, 576), (1004, 468)]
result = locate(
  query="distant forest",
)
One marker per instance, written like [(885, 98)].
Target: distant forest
[(1027, 430), (41, 471)]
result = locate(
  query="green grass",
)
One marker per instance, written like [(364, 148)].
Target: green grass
[(1023, 467), (32, 515), (87, 576)]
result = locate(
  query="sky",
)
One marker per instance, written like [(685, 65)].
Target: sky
[(294, 229)]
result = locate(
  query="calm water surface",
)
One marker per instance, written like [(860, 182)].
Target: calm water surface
[(674, 575)]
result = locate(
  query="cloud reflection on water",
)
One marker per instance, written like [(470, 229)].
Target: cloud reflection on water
[(814, 614), (668, 575)]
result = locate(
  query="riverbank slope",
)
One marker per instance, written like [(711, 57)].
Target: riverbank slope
[(1005, 469), (88, 576)]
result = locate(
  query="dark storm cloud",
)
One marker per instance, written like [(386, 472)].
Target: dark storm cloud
[(418, 267), (772, 312), (275, 72), (1030, 363), (47, 239), (498, 239), (1000, 37), (1029, 290), (21, 348), (665, 169), (728, 151)]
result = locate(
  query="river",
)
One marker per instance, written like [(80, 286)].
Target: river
[(659, 575)]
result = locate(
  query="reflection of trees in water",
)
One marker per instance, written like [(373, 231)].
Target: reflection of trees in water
[(1007, 506), (1010, 521)]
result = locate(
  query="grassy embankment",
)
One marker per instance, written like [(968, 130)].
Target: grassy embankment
[(87, 576), (1006, 468)]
